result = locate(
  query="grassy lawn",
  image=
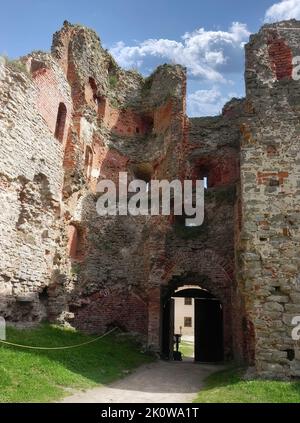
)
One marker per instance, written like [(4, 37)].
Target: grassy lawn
[(41, 376), (186, 348), (227, 386)]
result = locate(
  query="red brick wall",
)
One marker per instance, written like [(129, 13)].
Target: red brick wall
[(49, 95), (219, 170), (264, 178), (111, 163), (105, 309), (281, 58), (125, 122)]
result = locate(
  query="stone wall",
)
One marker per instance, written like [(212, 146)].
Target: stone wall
[(31, 183), (126, 123), (269, 238)]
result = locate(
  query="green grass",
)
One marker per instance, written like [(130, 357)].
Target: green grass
[(228, 386), (42, 376), (186, 348)]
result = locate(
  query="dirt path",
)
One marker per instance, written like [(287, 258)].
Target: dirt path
[(161, 381)]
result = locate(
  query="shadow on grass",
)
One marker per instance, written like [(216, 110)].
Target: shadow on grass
[(101, 362), (41, 375)]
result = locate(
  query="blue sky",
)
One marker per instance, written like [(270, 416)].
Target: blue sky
[(205, 36)]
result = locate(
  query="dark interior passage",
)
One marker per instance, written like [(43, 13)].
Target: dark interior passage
[(208, 325)]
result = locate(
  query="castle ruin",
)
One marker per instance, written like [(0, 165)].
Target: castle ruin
[(73, 117)]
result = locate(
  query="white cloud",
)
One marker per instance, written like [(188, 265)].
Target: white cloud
[(206, 54), (285, 9), (207, 102)]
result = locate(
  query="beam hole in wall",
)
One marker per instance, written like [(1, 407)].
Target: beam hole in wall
[(36, 65), (272, 151), (277, 289), (290, 354), (273, 182), (143, 171), (43, 295), (45, 234), (61, 122)]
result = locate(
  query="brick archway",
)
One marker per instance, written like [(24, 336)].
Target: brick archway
[(207, 270), (220, 292)]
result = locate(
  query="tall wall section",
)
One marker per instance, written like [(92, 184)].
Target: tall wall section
[(85, 120), (121, 123), (268, 247), (31, 179)]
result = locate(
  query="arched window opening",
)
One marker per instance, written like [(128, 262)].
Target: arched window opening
[(101, 107), (76, 242), (94, 89), (93, 98), (44, 296), (88, 161), (91, 93), (72, 241), (61, 122)]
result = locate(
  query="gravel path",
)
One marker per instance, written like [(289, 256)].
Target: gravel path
[(162, 381)]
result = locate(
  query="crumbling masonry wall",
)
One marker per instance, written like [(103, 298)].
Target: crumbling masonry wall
[(268, 247), (31, 177)]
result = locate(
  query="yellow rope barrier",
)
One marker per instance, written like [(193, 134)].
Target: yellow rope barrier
[(57, 348)]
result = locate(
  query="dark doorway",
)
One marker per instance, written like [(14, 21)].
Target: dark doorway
[(208, 330), (208, 325)]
